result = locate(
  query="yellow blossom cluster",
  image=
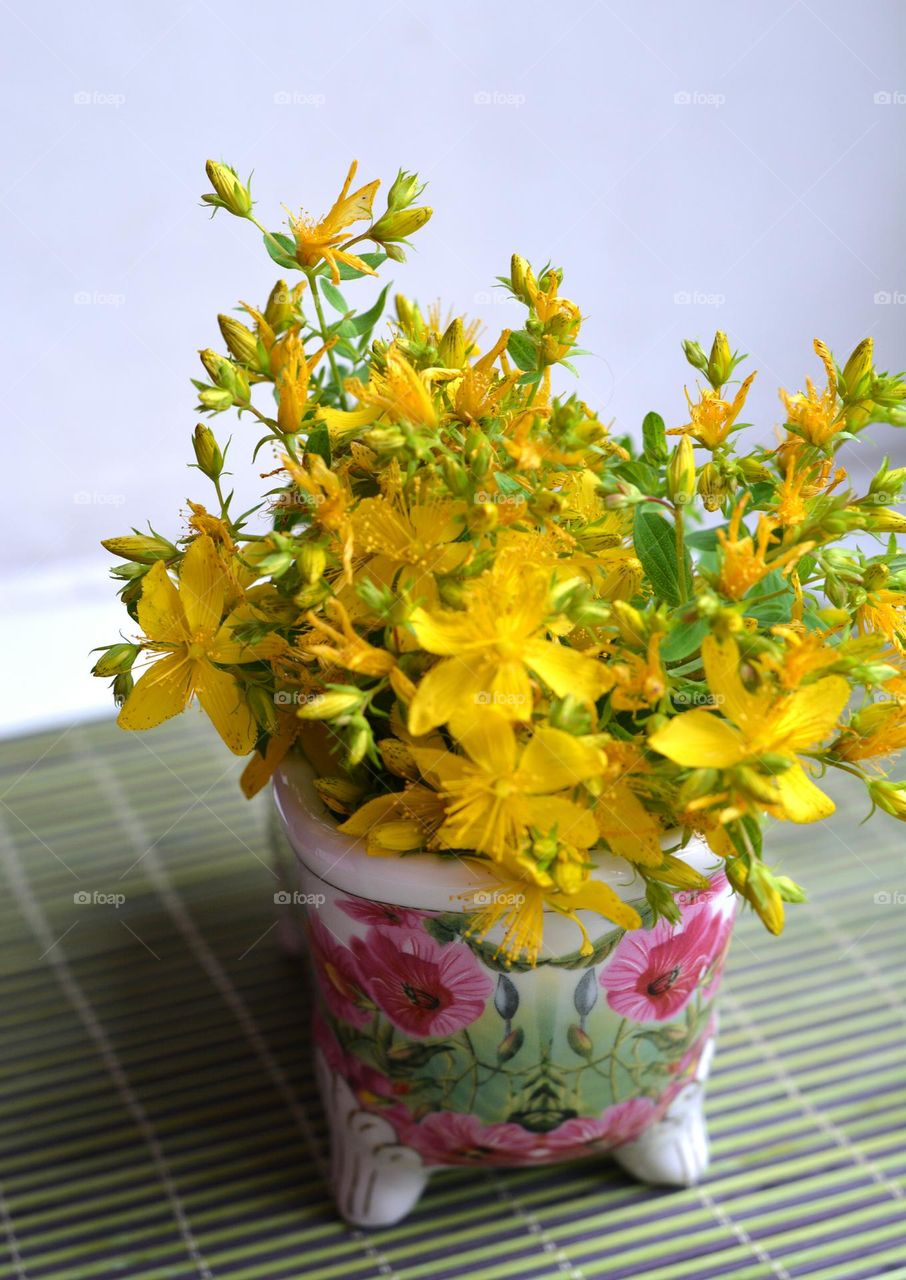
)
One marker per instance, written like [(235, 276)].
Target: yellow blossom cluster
[(498, 631)]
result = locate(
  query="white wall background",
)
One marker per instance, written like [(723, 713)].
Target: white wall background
[(690, 166)]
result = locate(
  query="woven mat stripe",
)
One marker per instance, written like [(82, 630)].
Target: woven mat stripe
[(538, 1222)]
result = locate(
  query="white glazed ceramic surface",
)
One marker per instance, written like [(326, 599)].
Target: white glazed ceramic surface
[(433, 1053)]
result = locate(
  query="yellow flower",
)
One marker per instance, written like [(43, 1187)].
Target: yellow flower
[(292, 370), (480, 391), (187, 626), (399, 822), (877, 730), (499, 792), (396, 390), (801, 483), (421, 537), (816, 416), (884, 612), (744, 560), (639, 682), (713, 416), (762, 723), (349, 650), (518, 906), (317, 241), (489, 648)]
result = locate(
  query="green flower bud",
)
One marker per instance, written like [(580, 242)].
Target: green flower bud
[(230, 193), (681, 473), (695, 355), (207, 452), (141, 548), (116, 660), (510, 1045), (241, 343), (405, 189), (579, 1041)]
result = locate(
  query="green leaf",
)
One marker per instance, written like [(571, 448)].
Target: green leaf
[(640, 474), (521, 347), (282, 249), (372, 260), (319, 442), (684, 640), (655, 546), (654, 438), (335, 298), (703, 539), (364, 323)]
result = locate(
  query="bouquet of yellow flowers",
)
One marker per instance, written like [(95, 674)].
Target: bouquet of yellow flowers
[(495, 628)]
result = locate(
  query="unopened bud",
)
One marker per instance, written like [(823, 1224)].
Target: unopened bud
[(522, 279), (230, 193), (207, 452), (406, 188), (695, 355), (241, 343), (395, 226), (141, 548), (681, 473), (857, 371), (310, 562), (329, 705), (452, 349), (720, 362), (116, 660)]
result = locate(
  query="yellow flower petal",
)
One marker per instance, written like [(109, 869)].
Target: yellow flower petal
[(811, 714), (595, 896), (721, 663), (573, 824), (201, 586), (566, 670), (699, 739), (556, 761), (627, 827), (225, 705), (160, 612), (163, 691), (447, 687), (799, 798), (226, 649), (488, 737)]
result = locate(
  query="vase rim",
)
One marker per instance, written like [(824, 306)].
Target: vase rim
[(419, 880)]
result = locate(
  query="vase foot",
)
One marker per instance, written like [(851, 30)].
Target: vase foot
[(376, 1181), (673, 1152)]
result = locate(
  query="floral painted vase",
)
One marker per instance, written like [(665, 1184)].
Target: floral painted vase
[(432, 1052)]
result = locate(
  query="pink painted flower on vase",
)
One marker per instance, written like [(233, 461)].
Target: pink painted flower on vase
[(425, 989), (373, 1091), (338, 974), (653, 974), (623, 1122), (383, 915), (454, 1137)]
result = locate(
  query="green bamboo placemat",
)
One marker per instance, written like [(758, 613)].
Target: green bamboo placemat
[(159, 1118)]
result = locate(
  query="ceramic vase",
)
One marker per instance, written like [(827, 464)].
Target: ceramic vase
[(432, 1052)]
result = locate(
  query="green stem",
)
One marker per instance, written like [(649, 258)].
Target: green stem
[(319, 309), (681, 553)]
